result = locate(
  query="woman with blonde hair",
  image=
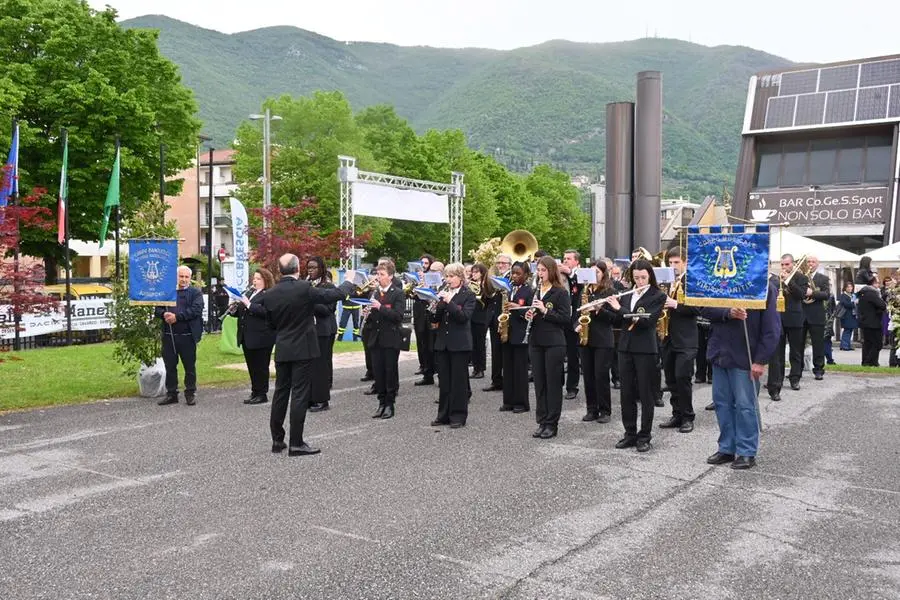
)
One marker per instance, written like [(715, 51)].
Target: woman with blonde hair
[(255, 335)]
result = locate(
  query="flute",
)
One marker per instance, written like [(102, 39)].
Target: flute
[(602, 301)]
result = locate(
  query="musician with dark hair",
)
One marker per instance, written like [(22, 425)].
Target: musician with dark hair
[(486, 297), (326, 326), (515, 348), (599, 352)]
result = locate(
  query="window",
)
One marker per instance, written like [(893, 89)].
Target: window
[(878, 159), (822, 154), (793, 163), (850, 160), (769, 165)]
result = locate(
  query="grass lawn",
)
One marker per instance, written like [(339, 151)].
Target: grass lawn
[(861, 369), (75, 374)]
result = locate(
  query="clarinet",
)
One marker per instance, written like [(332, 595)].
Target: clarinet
[(534, 299)]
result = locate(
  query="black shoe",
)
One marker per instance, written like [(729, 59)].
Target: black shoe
[(710, 406), (388, 412), (537, 432), (670, 423), (257, 400), (319, 407), (548, 432), (659, 402), (169, 399), (437, 423), (616, 385), (518, 410), (720, 458), (250, 399), (686, 427), (425, 381), (571, 394), (379, 412), (190, 400), (626, 443), (493, 388), (603, 418), (743, 462), (478, 375), (278, 447), (590, 416), (795, 385), (367, 378), (699, 380), (643, 446), (775, 396), (370, 392), (819, 377), (420, 371), (457, 425), (506, 407), (303, 449)]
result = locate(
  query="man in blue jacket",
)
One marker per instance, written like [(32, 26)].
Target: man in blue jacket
[(182, 327), (736, 376)]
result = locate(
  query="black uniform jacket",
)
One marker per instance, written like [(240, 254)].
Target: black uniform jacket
[(485, 308), (549, 330), (384, 324), (683, 333), (870, 308), (640, 337), (289, 306), (253, 328), (576, 288), (326, 323), (602, 319), (794, 293), (521, 295), (814, 312), (454, 318)]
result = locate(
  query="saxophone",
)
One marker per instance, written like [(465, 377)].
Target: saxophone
[(503, 319), (584, 320)]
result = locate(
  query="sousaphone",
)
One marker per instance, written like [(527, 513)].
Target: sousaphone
[(520, 245)]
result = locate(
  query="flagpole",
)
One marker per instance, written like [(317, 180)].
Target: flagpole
[(17, 318), (65, 140), (118, 264), (209, 251)]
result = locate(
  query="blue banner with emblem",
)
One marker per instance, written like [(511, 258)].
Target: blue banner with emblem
[(152, 272), (727, 268)]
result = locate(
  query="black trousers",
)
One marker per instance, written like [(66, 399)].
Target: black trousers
[(322, 370), (817, 340), (704, 367), (368, 356), (387, 374), (515, 384), (496, 357), (346, 315), (596, 364), (180, 346), (425, 349), (794, 337), (871, 347), (547, 367), (614, 369), (637, 372), (479, 348), (679, 370), (453, 375), (292, 382), (573, 357), (258, 360)]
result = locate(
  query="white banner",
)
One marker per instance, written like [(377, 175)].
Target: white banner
[(406, 205), (241, 246), (87, 315)]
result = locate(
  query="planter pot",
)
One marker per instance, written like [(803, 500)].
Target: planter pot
[(152, 379)]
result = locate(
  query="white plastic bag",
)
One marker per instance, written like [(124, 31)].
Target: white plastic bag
[(152, 379)]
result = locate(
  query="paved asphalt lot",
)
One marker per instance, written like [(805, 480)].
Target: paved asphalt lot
[(126, 499)]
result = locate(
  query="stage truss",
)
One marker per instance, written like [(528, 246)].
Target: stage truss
[(455, 191)]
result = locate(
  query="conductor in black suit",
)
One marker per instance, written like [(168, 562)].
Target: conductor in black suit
[(453, 346), (290, 308), (816, 295), (792, 320)]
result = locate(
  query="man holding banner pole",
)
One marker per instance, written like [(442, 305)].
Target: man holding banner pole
[(181, 330)]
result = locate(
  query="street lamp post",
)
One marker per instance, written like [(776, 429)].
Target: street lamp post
[(267, 119)]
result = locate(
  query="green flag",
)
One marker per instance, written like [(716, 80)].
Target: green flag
[(112, 197)]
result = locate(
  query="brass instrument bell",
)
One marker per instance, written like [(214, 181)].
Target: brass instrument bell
[(520, 245)]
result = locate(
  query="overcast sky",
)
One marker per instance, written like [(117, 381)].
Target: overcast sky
[(800, 30)]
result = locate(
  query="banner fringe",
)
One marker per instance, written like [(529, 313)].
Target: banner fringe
[(150, 303), (724, 303)]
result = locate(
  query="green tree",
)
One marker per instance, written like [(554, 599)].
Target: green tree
[(570, 226), (68, 66)]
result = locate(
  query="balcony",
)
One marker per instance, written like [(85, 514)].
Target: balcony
[(219, 220)]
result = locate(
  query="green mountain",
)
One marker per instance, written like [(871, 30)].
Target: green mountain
[(544, 103)]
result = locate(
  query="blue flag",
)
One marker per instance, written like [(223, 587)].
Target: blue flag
[(10, 186), (727, 269)]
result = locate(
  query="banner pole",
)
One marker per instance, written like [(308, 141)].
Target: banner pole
[(750, 374)]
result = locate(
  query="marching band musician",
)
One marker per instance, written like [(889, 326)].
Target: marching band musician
[(637, 354), (452, 347), (792, 330), (598, 355), (572, 261), (550, 317), (816, 294), (384, 320), (255, 335), (326, 327), (502, 264), (485, 308), (422, 327), (680, 351), (515, 349)]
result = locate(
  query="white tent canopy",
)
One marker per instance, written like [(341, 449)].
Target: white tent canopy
[(785, 242), (889, 256)]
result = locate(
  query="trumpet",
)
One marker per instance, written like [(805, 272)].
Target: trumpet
[(432, 307), (598, 303)]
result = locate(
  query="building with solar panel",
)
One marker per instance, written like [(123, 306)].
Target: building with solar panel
[(820, 150)]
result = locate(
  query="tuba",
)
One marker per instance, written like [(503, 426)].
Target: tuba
[(520, 245), (584, 320)]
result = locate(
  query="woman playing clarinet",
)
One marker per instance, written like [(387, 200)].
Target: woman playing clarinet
[(515, 349), (598, 354), (637, 353), (452, 347), (550, 316)]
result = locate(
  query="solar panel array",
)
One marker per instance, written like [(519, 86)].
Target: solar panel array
[(867, 91)]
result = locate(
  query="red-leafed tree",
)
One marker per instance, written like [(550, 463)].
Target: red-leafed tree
[(290, 231), (22, 278)]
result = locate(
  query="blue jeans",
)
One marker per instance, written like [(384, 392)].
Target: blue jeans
[(829, 354), (734, 395), (846, 338)]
